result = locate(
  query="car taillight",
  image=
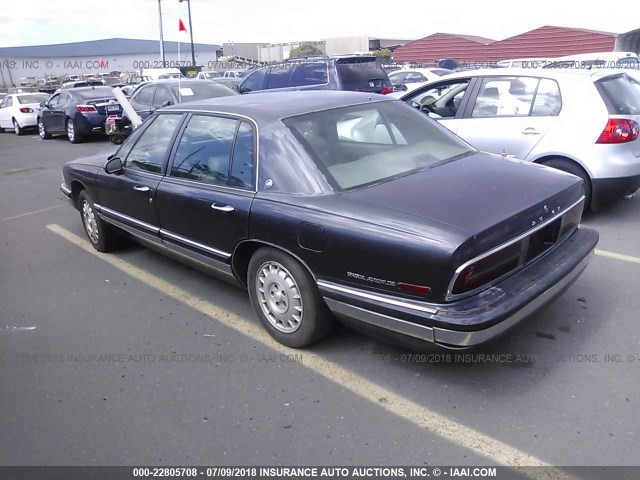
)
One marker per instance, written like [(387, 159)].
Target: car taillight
[(619, 130), (26, 110), (86, 108), (386, 90), (487, 269)]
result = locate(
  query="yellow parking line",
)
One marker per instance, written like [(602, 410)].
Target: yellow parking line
[(618, 256), (386, 399)]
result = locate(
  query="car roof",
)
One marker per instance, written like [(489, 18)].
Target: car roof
[(555, 73), (272, 106)]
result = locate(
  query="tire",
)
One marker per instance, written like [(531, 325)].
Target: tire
[(285, 297), (575, 169), (17, 128), (100, 234), (42, 130), (72, 132)]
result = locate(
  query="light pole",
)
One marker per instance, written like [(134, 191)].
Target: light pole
[(161, 36), (193, 54)]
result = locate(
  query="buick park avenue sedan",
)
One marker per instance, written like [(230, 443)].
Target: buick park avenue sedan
[(341, 204)]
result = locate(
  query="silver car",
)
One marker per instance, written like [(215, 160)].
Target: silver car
[(580, 121)]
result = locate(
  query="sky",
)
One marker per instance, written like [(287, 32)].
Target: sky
[(38, 22)]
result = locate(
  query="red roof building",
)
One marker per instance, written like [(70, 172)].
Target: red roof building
[(544, 42)]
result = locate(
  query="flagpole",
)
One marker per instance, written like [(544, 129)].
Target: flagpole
[(161, 35)]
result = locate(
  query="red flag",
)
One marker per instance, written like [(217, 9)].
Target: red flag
[(181, 27)]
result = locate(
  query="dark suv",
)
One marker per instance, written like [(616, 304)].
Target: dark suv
[(361, 73)]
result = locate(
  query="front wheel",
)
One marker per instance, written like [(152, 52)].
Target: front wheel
[(285, 297), (100, 234)]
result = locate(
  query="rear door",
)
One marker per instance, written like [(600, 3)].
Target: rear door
[(510, 115), (55, 114), (204, 200)]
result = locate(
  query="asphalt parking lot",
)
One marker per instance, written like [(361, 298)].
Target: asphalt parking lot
[(131, 358)]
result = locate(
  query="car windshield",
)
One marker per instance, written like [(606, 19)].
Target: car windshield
[(187, 92), (365, 144), (36, 98), (92, 93)]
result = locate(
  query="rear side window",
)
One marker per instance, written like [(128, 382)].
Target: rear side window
[(279, 77), (619, 95), (306, 74), (548, 101), (361, 74)]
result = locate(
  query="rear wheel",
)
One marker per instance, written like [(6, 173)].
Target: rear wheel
[(42, 130), (17, 128), (100, 234), (575, 169), (286, 299), (72, 132)]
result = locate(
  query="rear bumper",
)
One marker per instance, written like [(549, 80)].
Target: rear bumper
[(476, 319), (609, 189)]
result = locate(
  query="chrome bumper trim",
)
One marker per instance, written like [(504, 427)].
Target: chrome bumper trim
[(66, 190), (468, 339), (378, 319)]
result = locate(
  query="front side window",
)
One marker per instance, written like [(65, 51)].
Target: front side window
[(204, 151), (255, 81), (150, 150), (442, 100), (364, 144), (162, 97), (505, 97), (145, 95)]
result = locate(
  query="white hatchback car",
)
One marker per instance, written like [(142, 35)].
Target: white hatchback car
[(19, 111), (580, 121)]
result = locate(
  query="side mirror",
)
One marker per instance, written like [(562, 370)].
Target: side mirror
[(43, 104), (166, 103), (113, 166)]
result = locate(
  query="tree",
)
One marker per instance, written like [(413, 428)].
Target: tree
[(305, 50), (384, 54)]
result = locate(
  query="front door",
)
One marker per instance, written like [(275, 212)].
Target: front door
[(128, 198)]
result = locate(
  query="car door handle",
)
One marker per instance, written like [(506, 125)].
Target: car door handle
[(222, 208), (141, 188), (530, 131)]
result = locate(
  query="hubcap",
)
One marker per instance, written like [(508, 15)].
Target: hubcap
[(41, 129), (279, 297), (70, 130), (16, 127), (89, 220)]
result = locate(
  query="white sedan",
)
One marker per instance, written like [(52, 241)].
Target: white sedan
[(19, 111)]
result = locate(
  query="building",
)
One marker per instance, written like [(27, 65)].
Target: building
[(113, 54), (277, 52), (544, 42)]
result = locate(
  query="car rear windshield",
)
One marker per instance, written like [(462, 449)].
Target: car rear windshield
[(187, 92), (365, 144), (358, 73), (34, 98), (619, 95), (93, 93)]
